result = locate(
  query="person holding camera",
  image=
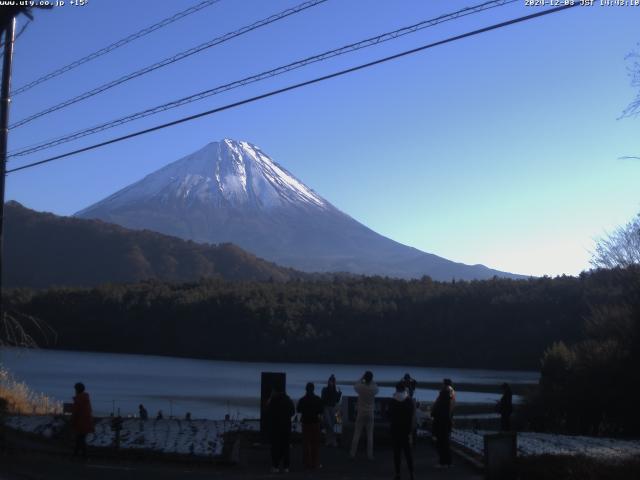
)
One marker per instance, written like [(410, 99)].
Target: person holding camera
[(410, 384), (367, 391)]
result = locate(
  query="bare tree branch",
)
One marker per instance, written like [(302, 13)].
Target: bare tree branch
[(15, 328), (633, 70), (621, 248)]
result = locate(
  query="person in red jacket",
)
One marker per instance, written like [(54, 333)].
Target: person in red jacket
[(81, 419)]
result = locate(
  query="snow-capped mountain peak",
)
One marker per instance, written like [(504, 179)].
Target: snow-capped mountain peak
[(243, 171), (226, 173)]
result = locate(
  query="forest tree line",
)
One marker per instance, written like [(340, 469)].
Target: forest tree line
[(498, 323), (592, 385)]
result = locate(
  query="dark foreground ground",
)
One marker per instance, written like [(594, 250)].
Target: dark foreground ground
[(254, 463)]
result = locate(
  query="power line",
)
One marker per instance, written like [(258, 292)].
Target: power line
[(297, 85), (115, 45), (168, 61), (261, 76)]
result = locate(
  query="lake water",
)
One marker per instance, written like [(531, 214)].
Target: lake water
[(209, 388)]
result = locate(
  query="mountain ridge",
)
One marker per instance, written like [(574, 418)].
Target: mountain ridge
[(47, 250)]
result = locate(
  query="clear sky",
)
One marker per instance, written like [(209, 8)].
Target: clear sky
[(501, 149)]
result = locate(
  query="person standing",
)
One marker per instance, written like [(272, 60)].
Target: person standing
[(505, 408), (401, 414), (279, 410), (81, 419), (330, 396), (448, 384), (441, 411), (144, 415), (410, 384), (310, 408), (367, 391)]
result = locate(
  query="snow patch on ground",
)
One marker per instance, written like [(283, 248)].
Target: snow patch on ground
[(532, 443), (45, 425), (189, 437)]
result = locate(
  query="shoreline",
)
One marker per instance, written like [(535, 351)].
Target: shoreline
[(372, 365)]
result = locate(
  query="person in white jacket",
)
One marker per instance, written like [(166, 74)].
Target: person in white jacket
[(367, 391)]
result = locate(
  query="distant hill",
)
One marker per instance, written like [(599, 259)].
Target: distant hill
[(42, 250), (230, 191)]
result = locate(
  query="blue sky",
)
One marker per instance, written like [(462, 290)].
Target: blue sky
[(501, 149)]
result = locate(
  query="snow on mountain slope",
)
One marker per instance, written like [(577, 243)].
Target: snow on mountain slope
[(226, 173), (231, 191)]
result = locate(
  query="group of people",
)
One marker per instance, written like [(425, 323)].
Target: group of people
[(143, 414), (315, 410), (401, 413)]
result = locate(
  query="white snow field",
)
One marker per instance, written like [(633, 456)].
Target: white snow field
[(192, 437), (205, 437), (532, 443), (45, 425)]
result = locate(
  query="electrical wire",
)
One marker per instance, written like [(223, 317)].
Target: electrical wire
[(261, 76), (170, 60), (120, 43), (297, 86)]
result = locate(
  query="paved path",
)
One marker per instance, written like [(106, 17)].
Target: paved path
[(255, 465)]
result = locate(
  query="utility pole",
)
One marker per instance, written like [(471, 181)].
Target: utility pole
[(5, 101)]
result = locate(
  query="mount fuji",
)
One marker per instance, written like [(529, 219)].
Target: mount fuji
[(231, 191)]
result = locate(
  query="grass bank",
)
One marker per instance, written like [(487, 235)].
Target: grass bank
[(17, 398)]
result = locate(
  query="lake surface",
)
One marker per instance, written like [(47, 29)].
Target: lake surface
[(210, 388)]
